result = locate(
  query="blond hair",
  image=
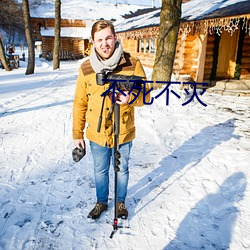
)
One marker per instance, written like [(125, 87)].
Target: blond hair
[(101, 24)]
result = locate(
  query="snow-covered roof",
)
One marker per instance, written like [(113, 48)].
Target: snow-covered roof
[(79, 32), (85, 10), (205, 9), (191, 11), (145, 20)]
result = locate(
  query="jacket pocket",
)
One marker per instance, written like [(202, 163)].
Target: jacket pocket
[(127, 120)]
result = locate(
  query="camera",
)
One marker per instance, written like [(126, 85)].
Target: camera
[(123, 82), (78, 153)]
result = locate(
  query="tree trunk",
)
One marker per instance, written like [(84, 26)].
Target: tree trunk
[(168, 34), (29, 38), (56, 59), (3, 57)]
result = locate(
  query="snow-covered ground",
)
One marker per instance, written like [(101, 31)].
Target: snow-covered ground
[(189, 171)]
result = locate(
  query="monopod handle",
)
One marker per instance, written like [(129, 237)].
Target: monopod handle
[(99, 124)]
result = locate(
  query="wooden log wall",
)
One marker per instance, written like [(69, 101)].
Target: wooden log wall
[(73, 45), (178, 61), (50, 22), (131, 46), (47, 45), (190, 56), (209, 56), (185, 62), (186, 55), (79, 46), (66, 44)]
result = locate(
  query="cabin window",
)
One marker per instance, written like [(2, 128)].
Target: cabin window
[(140, 45), (146, 45)]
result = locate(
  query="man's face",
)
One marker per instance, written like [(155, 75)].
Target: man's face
[(104, 42)]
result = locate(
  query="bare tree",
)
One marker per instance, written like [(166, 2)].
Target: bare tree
[(168, 34), (36, 3), (11, 24), (28, 33), (11, 16), (3, 57), (56, 59)]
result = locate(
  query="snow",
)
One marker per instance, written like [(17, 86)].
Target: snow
[(145, 20), (189, 170), (84, 33), (196, 9), (86, 10), (139, 2), (192, 10)]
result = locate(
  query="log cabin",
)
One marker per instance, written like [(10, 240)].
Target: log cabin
[(213, 41), (74, 37)]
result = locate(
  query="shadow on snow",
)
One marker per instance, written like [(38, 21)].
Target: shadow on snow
[(23, 110), (190, 153), (209, 225), (213, 229)]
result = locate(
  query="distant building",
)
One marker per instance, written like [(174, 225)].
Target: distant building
[(77, 19), (74, 37)]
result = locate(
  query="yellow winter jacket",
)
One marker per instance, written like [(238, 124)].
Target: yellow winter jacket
[(88, 101)]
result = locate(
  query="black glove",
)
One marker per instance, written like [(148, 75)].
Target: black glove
[(78, 153)]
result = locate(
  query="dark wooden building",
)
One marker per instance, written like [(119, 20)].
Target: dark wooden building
[(74, 36)]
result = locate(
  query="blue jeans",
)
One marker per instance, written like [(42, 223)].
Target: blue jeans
[(102, 158)]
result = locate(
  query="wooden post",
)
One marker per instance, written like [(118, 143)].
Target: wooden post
[(201, 58), (149, 45), (144, 45), (140, 40)]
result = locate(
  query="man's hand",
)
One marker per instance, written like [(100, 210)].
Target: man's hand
[(121, 99), (79, 151), (79, 143)]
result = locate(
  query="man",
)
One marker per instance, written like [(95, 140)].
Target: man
[(107, 54)]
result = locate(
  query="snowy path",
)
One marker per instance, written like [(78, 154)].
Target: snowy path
[(189, 172)]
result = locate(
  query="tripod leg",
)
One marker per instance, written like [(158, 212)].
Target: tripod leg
[(116, 161)]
